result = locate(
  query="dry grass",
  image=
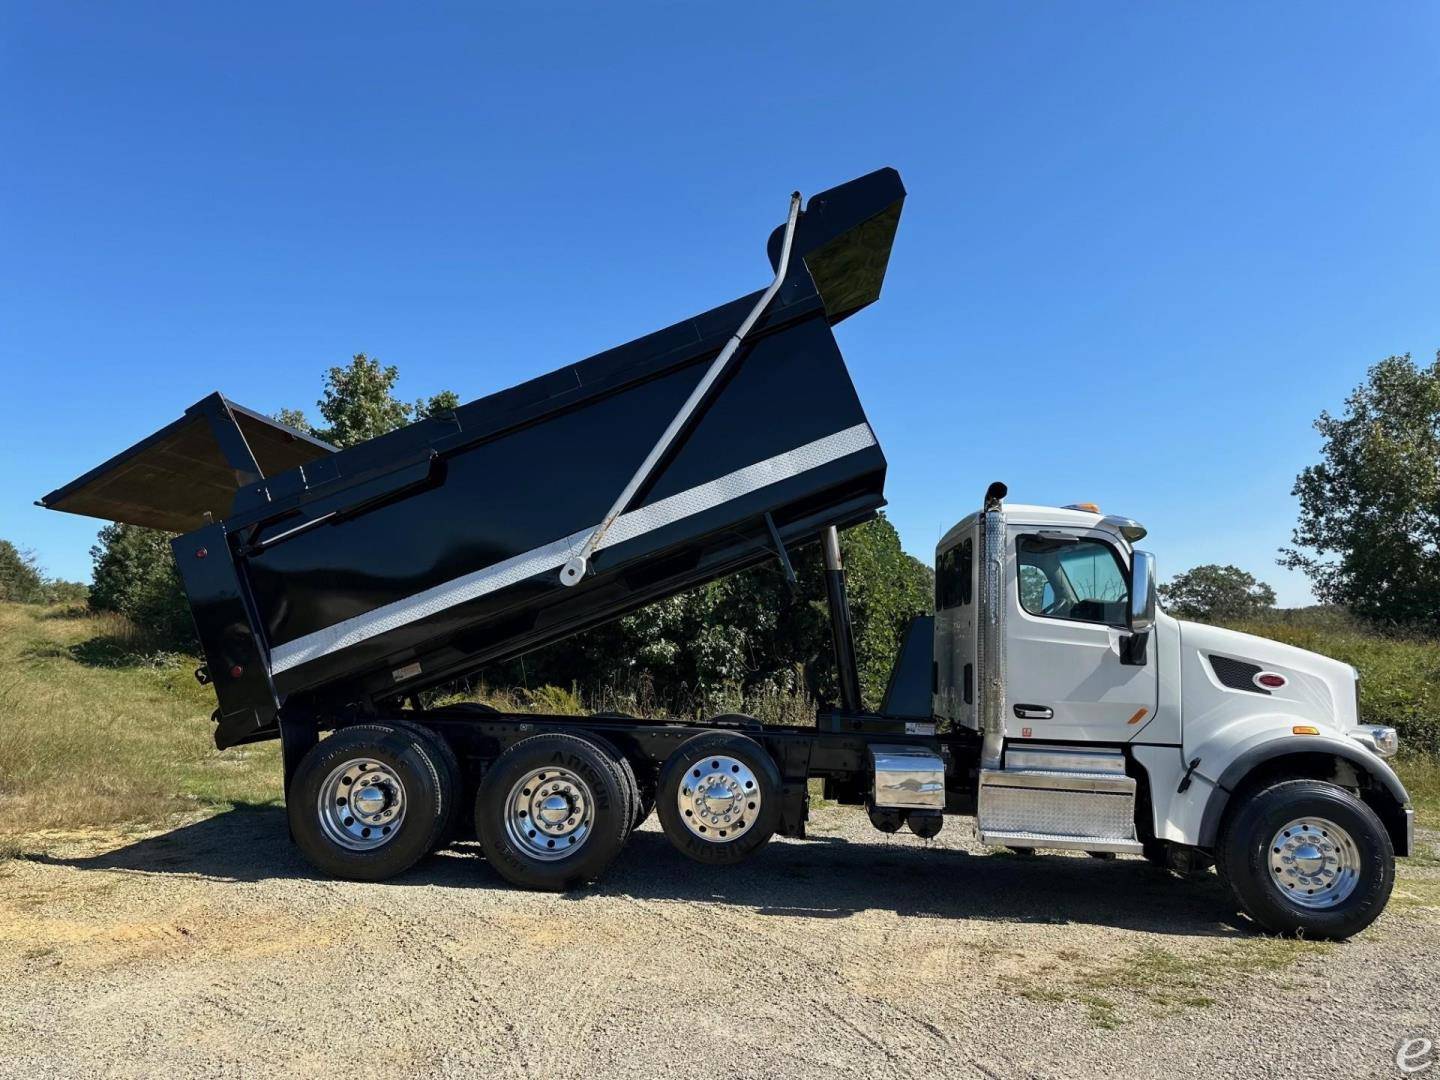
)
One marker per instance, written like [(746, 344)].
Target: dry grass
[(1115, 989), (97, 730)]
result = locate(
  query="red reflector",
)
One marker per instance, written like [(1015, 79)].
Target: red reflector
[(1270, 679), (200, 553), (236, 671)]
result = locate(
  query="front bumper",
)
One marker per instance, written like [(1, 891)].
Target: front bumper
[(1409, 833)]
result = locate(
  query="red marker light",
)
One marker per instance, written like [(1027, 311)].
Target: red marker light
[(200, 553), (1270, 680), (236, 671)]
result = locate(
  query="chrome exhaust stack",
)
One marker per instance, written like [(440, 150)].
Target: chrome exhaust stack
[(990, 643)]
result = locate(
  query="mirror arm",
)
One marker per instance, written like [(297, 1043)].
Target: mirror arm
[(1134, 649)]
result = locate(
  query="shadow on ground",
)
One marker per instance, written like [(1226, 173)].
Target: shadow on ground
[(824, 877)]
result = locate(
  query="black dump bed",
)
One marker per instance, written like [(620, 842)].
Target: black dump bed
[(406, 561)]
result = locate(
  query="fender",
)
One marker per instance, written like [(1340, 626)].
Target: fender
[(1246, 762)]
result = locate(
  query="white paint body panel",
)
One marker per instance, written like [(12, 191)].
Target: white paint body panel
[(1071, 667)]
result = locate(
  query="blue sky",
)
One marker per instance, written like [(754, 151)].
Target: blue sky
[(1145, 244)]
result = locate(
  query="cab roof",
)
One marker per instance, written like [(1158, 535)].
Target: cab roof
[(1025, 514)]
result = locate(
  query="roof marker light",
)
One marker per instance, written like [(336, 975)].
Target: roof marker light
[(1088, 507)]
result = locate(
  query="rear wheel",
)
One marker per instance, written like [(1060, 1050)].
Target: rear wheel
[(552, 812), (627, 774), (719, 797), (452, 779), (368, 802), (1307, 857)]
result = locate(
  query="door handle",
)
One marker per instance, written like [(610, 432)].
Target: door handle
[(1034, 712)]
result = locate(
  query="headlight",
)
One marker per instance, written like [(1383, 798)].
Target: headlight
[(1382, 740)]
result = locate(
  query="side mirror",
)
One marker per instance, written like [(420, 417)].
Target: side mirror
[(1142, 592)]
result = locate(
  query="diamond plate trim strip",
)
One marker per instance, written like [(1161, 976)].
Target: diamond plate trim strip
[(1099, 814), (553, 555)]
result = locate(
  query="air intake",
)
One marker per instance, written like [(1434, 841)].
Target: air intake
[(1237, 674)]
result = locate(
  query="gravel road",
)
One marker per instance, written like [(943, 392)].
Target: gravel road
[(211, 950)]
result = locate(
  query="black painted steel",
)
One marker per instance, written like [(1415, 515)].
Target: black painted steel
[(189, 471), (376, 571), (912, 679)]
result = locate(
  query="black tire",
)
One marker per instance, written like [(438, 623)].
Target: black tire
[(757, 822), (649, 792), (451, 777), (611, 812), (1244, 859), (627, 773), (409, 760)]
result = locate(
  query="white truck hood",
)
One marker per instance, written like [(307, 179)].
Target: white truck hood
[(1318, 690)]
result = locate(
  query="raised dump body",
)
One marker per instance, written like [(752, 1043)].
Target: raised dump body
[(366, 574)]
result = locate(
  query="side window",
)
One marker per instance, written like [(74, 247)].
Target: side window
[(953, 572), (1064, 578)]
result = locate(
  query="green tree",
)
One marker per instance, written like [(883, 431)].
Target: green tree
[(750, 631), (1212, 593), (1369, 528), (358, 403), (21, 581), (134, 575), (443, 402)]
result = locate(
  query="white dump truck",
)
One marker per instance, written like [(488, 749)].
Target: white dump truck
[(334, 590)]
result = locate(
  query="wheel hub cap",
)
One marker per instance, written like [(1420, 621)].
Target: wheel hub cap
[(1314, 863), (719, 799), (361, 804), (553, 810), (550, 813)]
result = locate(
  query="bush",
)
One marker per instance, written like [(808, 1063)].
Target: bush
[(746, 637), (135, 576), (68, 593), (20, 579)]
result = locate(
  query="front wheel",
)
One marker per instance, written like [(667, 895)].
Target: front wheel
[(1308, 858)]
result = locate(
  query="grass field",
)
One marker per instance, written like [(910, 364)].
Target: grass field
[(92, 732), (97, 731)]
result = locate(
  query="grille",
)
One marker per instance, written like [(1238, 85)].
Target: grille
[(1237, 674)]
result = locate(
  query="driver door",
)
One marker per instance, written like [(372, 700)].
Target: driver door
[(1066, 618)]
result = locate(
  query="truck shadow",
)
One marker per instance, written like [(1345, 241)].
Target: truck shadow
[(823, 877)]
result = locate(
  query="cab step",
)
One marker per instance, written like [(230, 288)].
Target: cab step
[(1059, 797)]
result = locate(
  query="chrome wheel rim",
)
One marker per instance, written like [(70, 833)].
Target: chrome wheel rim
[(361, 804), (550, 813), (719, 799), (1314, 863)]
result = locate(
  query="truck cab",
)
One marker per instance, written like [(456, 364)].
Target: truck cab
[(1106, 725)]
